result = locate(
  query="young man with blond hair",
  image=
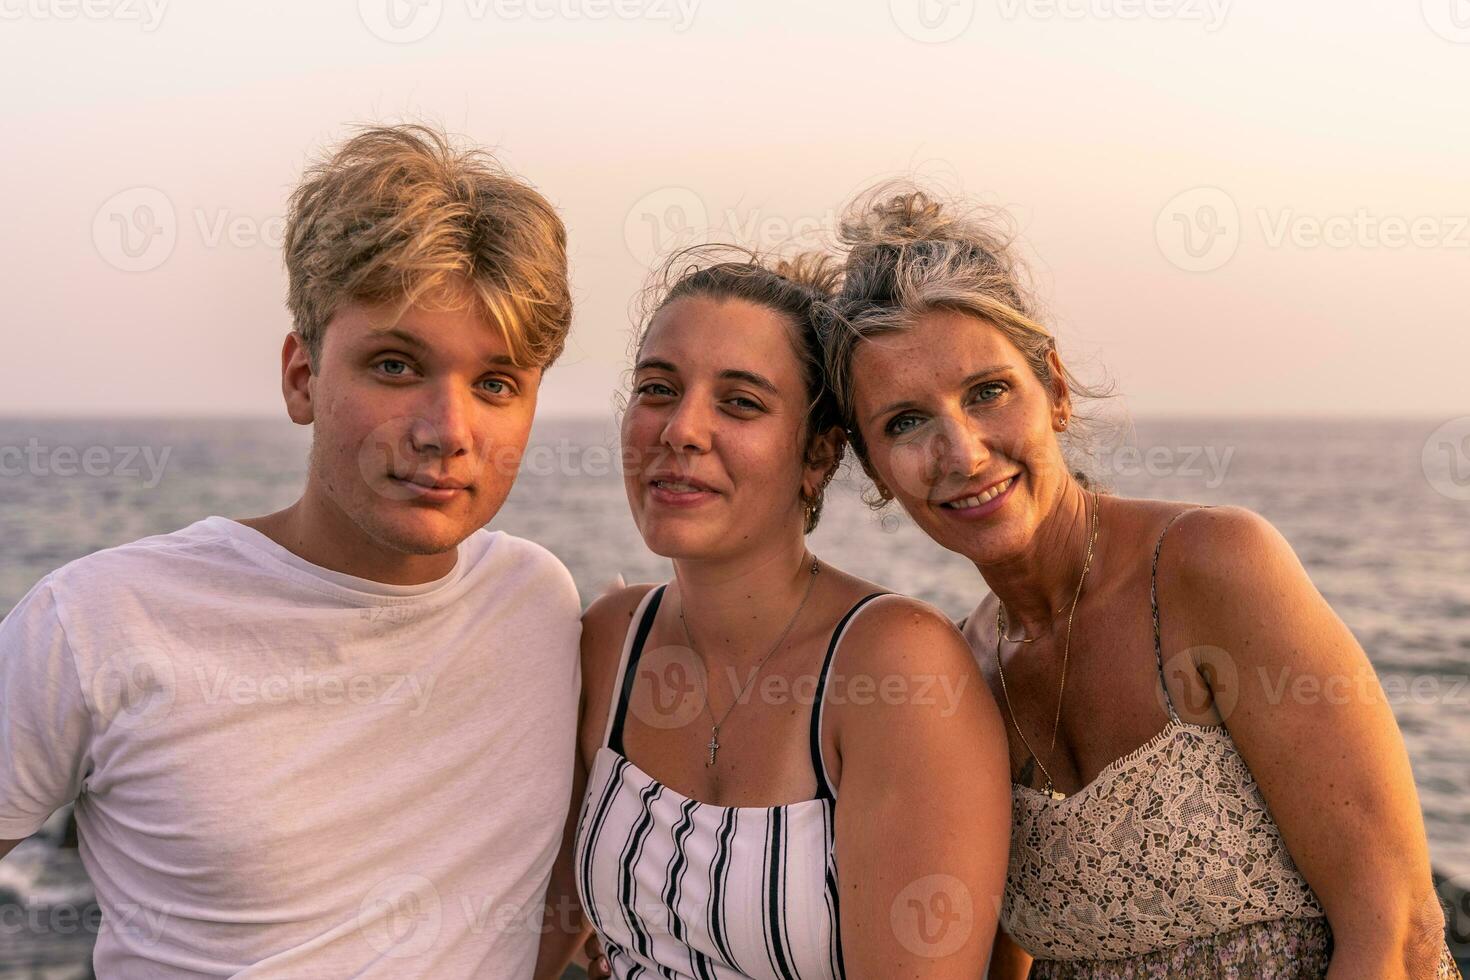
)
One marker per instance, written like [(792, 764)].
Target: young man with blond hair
[(328, 742)]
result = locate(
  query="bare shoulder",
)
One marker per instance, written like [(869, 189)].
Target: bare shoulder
[(605, 624), (614, 609), (908, 700), (1231, 580), (1225, 547), (897, 632)]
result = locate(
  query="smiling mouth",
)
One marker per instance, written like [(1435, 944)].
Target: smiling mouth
[(976, 500), (674, 486), (435, 490)]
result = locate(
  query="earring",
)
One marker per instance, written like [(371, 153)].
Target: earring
[(1062, 424)]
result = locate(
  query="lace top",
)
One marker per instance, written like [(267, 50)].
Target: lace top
[(1170, 843)]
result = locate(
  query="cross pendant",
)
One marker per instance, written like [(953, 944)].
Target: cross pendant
[(713, 746)]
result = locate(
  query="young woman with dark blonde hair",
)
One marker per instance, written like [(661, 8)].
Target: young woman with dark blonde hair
[(747, 811)]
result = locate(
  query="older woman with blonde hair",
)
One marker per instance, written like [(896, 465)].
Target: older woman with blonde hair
[(1172, 817)]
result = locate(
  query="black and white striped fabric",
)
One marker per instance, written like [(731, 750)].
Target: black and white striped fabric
[(686, 890)]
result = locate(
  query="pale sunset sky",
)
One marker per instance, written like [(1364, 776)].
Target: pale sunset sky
[(1235, 207)]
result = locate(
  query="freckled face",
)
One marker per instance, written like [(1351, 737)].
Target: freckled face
[(714, 433), (960, 431), (419, 423)]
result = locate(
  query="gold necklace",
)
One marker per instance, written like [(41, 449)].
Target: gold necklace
[(714, 731), (1050, 787), (1023, 639)]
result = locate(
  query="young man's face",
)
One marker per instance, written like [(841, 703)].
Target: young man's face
[(419, 424)]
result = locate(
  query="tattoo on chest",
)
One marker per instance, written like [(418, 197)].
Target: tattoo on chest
[(1027, 771)]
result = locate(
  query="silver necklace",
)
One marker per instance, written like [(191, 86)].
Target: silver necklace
[(714, 732)]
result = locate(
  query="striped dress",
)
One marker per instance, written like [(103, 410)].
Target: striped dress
[(686, 890)]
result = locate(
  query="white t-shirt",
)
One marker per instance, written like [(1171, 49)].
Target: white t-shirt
[(283, 771)]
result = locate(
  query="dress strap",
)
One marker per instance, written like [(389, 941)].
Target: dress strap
[(1153, 603), (628, 667), (819, 699)]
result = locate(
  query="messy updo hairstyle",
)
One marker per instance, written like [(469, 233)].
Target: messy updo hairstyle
[(800, 288), (909, 253)]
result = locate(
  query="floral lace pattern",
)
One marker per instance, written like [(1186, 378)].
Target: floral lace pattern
[(1168, 844), (1282, 949)]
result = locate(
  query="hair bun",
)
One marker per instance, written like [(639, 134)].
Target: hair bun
[(897, 214)]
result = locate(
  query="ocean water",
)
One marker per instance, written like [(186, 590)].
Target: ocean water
[(1378, 510)]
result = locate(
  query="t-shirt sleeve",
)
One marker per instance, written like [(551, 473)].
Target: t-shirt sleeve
[(44, 722)]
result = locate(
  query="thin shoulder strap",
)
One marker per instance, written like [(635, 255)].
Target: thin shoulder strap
[(628, 666), (1153, 603), (819, 700)]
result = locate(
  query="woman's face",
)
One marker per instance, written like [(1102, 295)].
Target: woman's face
[(714, 433), (961, 432)]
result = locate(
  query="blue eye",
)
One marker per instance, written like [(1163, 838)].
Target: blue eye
[(897, 427), (393, 367), (999, 387), (504, 388)]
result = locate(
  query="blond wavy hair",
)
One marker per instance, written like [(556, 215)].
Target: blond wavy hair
[(399, 214), (909, 252)]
